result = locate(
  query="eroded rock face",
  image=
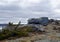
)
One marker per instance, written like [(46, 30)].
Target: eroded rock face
[(41, 21)]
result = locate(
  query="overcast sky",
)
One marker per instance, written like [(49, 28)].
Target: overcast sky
[(21, 10)]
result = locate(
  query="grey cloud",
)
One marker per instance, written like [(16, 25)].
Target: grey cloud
[(14, 10), (43, 6), (10, 8)]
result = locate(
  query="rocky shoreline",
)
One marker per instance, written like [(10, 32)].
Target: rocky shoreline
[(33, 38)]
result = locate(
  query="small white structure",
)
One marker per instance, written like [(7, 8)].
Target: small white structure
[(0, 28)]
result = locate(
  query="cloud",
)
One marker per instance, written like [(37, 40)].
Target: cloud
[(28, 9)]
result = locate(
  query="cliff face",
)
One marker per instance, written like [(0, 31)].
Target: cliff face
[(41, 21)]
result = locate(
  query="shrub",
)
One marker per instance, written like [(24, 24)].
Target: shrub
[(5, 34)]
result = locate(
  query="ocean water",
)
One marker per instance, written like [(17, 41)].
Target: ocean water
[(0, 27), (14, 20)]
